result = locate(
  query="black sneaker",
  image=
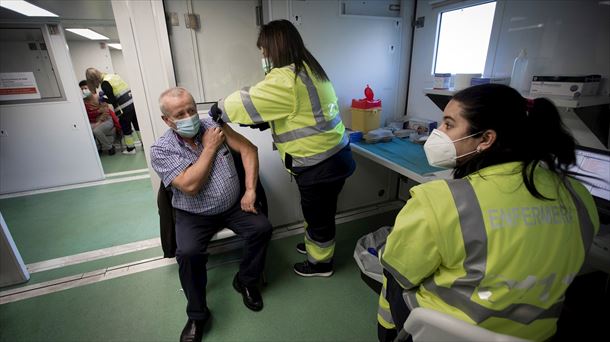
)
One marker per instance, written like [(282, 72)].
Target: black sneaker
[(307, 269), (301, 248), (111, 151)]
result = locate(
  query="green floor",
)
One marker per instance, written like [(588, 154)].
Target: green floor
[(63, 223), (124, 162), (149, 306)]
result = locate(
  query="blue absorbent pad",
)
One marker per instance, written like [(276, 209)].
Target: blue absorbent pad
[(403, 152)]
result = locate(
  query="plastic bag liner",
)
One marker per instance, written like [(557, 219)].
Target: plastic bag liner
[(367, 252)]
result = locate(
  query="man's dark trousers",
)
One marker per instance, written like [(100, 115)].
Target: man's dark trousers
[(193, 234)]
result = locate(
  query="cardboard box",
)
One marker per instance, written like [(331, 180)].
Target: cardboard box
[(570, 86)]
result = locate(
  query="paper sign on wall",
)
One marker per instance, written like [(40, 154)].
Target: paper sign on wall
[(18, 86)]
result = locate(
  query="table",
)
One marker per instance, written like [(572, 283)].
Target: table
[(402, 156)]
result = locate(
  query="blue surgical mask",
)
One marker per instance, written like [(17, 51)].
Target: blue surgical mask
[(267, 65), (188, 127), (86, 93)]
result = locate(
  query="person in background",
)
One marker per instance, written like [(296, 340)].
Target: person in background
[(298, 100), (118, 94), (193, 158), (498, 245), (103, 120)]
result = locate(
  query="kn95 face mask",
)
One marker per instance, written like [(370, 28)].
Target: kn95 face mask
[(440, 149)]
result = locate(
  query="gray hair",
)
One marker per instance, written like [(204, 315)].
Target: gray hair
[(175, 92)]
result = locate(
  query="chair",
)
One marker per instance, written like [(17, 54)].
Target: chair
[(431, 325), (167, 216)]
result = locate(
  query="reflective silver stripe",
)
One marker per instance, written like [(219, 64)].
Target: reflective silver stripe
[(122, 93), (522, 313), (473, 234), (410, 298), (316, 158), (316, 105), (250, 109), (475, 244), (586, 226), (125, 105), (386, 315), (315, 261), (307, 131), (404, 282), (383, 291), (326, 244)]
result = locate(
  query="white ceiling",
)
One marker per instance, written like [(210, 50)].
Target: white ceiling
[(93, 14)]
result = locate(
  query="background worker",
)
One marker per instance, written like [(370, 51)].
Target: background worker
[(193, 158), (297, 99), (102, 119), (499, 245), (118, 94)]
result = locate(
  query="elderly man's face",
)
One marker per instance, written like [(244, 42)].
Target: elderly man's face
[(178, 108)]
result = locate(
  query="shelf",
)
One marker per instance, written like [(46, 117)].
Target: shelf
[(446, 92), (559, 101), (566, 102)]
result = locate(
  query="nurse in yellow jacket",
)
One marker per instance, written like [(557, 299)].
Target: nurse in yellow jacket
[(297, 100), (498, 245)]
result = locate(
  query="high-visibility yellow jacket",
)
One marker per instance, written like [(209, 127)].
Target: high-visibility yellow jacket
[(302, 112), (485, 251), (120, 91)]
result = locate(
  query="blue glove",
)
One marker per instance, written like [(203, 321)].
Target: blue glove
[(216, 114), (102, 97)]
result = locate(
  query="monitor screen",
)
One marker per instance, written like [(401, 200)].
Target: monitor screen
[(593, 168)]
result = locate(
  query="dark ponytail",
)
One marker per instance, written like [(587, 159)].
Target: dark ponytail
[(552, 144), (529, 131), (284, 46)]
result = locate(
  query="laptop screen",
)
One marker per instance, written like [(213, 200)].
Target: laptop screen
[(593, 168)]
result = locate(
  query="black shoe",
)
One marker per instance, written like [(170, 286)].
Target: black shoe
[(111, 151), (193, 330), (307, 269), (301, 248), (251, 295)]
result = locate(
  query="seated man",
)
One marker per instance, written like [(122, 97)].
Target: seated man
[(104, 122), (194, 159)]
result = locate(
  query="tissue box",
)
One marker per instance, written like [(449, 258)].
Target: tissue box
[(572, 86)]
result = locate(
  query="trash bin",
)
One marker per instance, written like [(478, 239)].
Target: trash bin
[(367, 252)]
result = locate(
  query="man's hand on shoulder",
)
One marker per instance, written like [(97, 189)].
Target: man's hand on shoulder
[(213, 138)]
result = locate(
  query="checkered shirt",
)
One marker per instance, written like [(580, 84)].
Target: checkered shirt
[(170, 156)]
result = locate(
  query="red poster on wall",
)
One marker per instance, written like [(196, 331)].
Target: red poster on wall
[(18, 86)]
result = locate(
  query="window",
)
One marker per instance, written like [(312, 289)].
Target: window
[(27, 73), (463, 39)]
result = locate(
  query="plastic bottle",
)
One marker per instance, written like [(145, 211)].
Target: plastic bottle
[(518, 78)]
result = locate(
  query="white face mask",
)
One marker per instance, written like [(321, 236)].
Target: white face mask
[(440, 150), (86, 93)]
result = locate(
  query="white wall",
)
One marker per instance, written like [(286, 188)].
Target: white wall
[(42, 147), (118, 64), (143, 35), (89, 54), (573, 40)]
